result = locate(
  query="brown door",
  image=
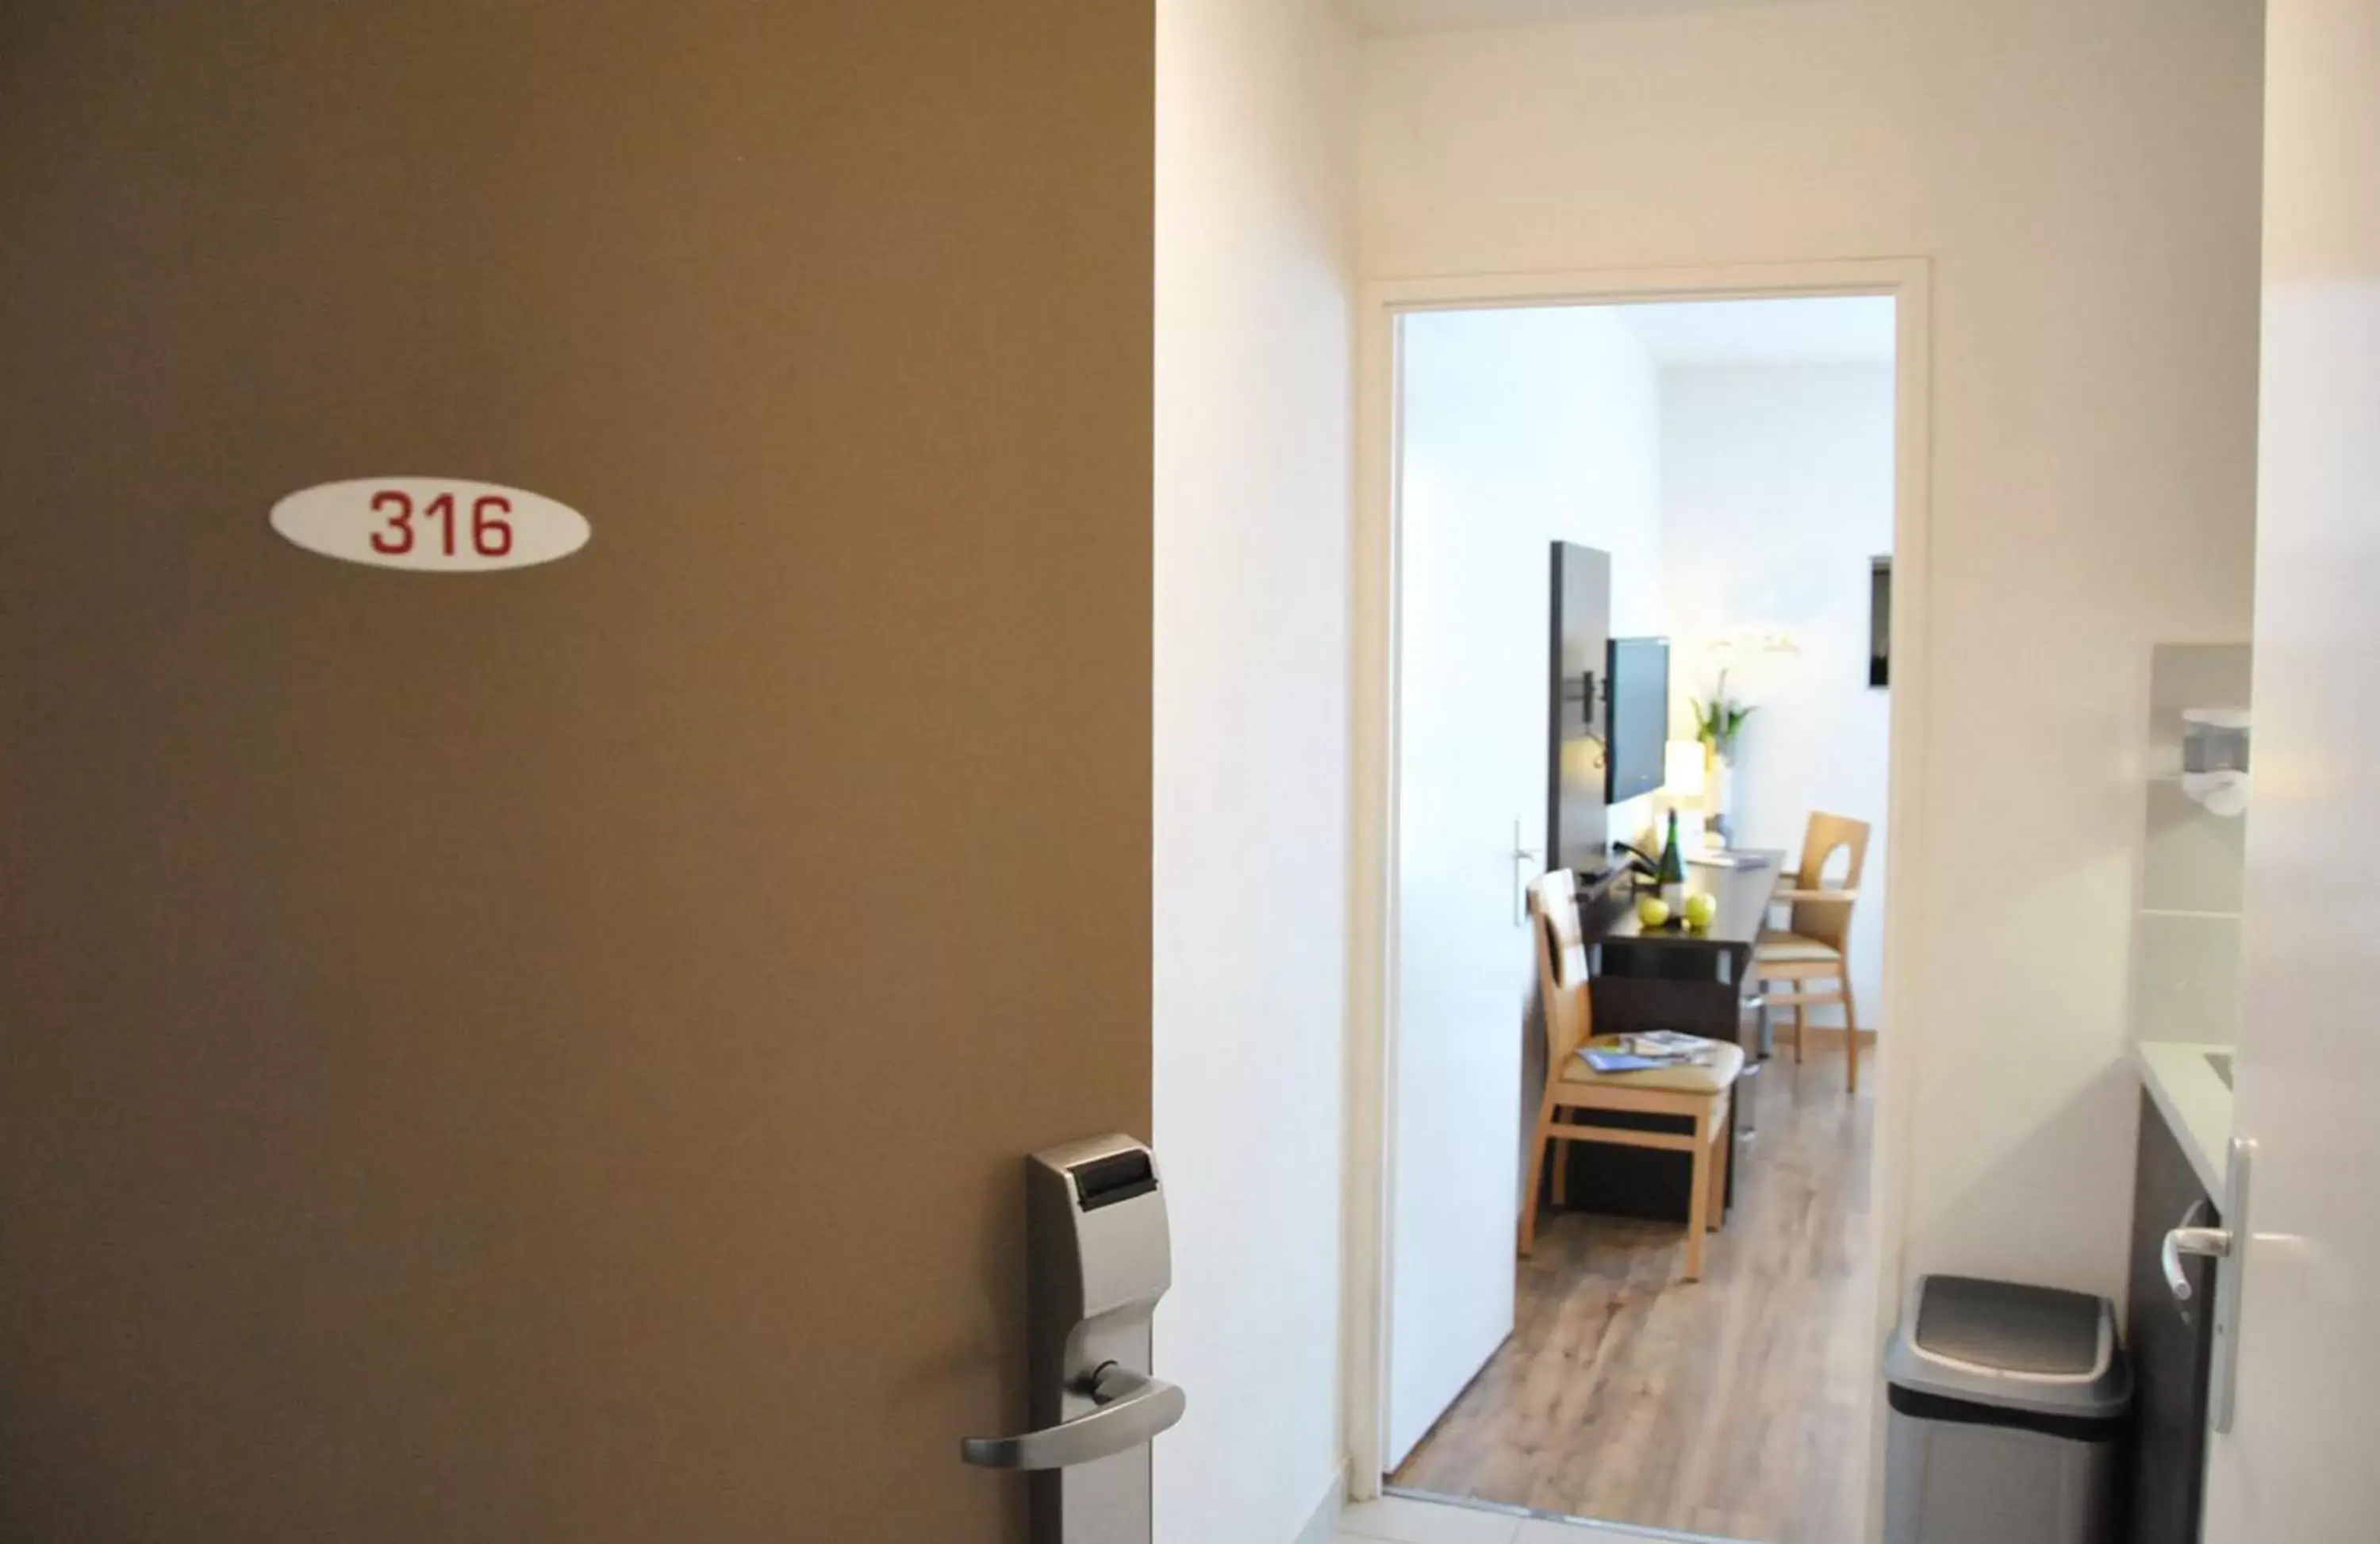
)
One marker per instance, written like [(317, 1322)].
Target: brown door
[(545, 1055)]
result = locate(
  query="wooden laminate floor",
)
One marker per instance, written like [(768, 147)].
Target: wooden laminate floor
[(1734, 1407)]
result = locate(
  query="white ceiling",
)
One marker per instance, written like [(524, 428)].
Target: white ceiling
[(1850, 330), (1376, 17)]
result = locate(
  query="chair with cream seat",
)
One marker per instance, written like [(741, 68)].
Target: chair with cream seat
[(1700, 1094), (1814, 945)]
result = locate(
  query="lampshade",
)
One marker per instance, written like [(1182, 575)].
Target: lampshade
[(1682, 769)]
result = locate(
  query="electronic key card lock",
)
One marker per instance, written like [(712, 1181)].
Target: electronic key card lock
[(1099, 1258)]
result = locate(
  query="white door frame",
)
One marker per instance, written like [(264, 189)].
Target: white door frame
[(1372, 1054)]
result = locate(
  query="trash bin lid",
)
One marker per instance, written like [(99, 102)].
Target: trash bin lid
[(2036, 1331), (2016, 1348)]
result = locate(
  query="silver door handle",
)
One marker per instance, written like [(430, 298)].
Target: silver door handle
[(2191, 1239), (1133, 1407)]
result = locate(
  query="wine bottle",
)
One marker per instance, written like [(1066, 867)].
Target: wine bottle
[(1673, 869)]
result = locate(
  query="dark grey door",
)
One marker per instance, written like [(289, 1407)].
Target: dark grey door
[(547, 1055), (2171, 1341)]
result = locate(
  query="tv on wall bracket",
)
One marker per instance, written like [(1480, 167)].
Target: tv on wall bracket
[(1879, 622)]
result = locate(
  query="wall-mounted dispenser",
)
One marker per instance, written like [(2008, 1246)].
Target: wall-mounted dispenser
[(1099, 1255), (2215, 758)]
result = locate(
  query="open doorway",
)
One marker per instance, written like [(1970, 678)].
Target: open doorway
[(1640, 562)]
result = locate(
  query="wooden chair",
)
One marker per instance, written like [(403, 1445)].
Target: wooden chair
[(1814, 945), (1701, 1094)]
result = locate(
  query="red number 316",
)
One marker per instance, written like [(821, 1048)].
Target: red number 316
[(492, 535)]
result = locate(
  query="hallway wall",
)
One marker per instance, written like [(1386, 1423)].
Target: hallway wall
[(1254, 111), (2084, 179), (1777, 485)]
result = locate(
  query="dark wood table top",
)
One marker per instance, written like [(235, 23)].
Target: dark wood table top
[(1743, 907)]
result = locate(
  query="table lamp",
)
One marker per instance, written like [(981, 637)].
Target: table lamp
[(1682, 784)]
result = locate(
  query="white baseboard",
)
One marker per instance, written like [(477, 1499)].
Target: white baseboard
[(1324, 1523)]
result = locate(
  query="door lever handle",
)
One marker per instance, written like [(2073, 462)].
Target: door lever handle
[(1133, 1407), (2191, 1239)]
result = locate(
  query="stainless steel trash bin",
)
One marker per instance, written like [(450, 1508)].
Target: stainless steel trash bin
[(2008, 1411)]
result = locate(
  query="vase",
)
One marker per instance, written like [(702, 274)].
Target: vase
[(1717, 767)]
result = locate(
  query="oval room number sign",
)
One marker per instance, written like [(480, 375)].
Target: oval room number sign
[(435, 525)]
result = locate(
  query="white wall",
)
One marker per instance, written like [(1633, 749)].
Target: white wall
[(1254, 383), (1539, 425), (1521, 428), (1776, 484), (2084, 175), (1619, 440)]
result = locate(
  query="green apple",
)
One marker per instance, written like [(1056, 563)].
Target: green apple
[(1653, 912), (1700, 909)]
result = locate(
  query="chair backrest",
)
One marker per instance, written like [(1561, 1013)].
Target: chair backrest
[(1561, 965), (1830, 921)]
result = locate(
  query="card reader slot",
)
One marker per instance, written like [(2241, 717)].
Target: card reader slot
[(1119, 1177)]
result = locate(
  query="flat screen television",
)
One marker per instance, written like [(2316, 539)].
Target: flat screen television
[(1638, 669)]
